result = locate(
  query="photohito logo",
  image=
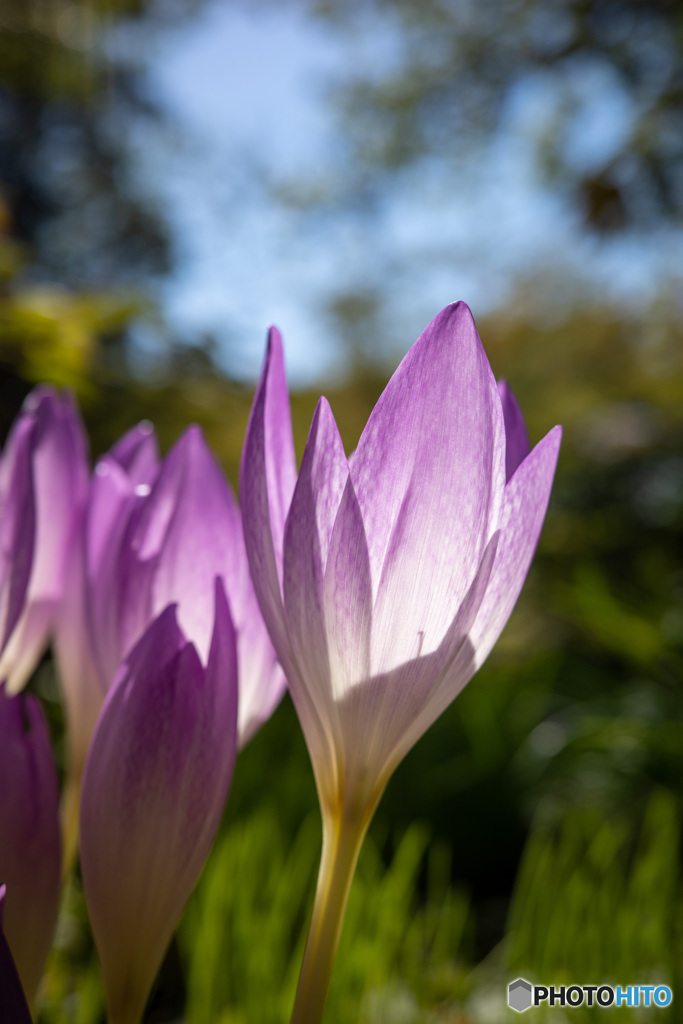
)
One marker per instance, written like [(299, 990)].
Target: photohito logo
[(522, 995)]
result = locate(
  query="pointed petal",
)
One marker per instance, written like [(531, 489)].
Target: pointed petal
[(30, 845), (26, 645), (137, 454), (166, 544), (17, 528), (267, 477), (526, 500), (13, 1006), (429, 474), (348, 596), (121, 481), (154, 788), (517, 445), (94, 619), (61, 481), (59, 469), (189, 532), (111, 507), (280, 461), (317, 496), (222, 675)]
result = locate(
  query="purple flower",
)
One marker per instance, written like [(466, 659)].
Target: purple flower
[(153, 535), (30, 843), (160, 621), (389, 577), (13, 1006), (154, 787), (43, 477), (396, 569)]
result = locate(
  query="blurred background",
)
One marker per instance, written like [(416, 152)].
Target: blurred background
[(176, 174)]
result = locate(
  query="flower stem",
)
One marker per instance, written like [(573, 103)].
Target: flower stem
[(342, 839), (70, 812)]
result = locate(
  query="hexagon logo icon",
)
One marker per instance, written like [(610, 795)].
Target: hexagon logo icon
[(519, 995)]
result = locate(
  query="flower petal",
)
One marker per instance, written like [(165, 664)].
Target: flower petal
[(315, 503), (111, 507), (348, 596), (59, 467), (154, 788), (17, 527), (61, 482), (280, 460), (429, 474), (382, 719), (189, 532), (137, 454), (517, 445), (267, 478), (526, 500), (13, 1006), (30, 844)]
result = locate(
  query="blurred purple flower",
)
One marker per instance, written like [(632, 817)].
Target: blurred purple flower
[(155, 534), (389, 577), (30, 843), (13, 1006), (154, 787), (159, 623), (43, 478)]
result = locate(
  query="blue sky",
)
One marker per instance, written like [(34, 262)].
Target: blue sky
[(246, 91)]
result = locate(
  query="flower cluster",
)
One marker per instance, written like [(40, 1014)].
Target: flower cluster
[(374, 584)]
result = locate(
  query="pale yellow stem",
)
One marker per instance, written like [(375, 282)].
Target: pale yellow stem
[(345, 823)]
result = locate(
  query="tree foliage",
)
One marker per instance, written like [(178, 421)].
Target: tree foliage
[(611, 70)]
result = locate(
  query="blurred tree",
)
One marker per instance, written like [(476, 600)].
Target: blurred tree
[(609, 74), (66, 106), (81, 235)]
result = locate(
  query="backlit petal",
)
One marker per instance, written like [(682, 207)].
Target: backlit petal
[(59, 469), (429, 474), (385, 717), (517, 445), (267, 476), (137, 454), (111, 505), (348, 596), (188, 533), (317, 496), (526, 500), (17, 527)]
